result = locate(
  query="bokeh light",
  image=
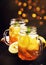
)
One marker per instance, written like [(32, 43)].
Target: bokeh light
[(24, 15), (29, 7), (40, 17), (19, 12), (34, 10), (34, 15), (38, 9), (24, 4), (44, 17), (19, 3)]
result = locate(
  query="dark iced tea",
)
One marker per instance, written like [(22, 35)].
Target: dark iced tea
[(28, 48)]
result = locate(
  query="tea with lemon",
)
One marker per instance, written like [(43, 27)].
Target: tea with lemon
[(13, 33), (28, 48)]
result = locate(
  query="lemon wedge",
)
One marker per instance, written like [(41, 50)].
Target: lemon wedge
[(13, 48)]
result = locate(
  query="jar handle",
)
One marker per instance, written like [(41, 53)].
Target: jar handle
[(5, 34)]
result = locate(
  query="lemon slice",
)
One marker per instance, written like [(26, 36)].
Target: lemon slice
[(13, 48)]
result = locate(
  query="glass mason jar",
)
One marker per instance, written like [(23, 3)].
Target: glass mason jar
[(29, 45), (13, 31)]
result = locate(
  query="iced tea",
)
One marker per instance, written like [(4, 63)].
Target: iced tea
[(13, 33), (28, 48)]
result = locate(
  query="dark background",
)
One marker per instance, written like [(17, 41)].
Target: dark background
[(7, 12)]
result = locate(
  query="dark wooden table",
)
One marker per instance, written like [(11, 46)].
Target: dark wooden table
[(6, 58)]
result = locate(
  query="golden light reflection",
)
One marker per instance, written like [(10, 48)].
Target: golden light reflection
[(24, 15), (24, 4), (19, 12), (34, 15), (37, 8), (44, 17), (29, 7), (20, 3)]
